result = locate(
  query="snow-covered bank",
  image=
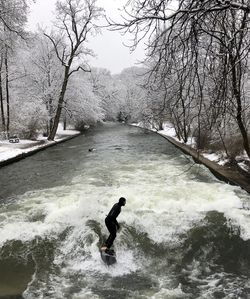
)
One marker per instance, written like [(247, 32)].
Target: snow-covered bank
[(215, 162), (11, 152), (218, 157)]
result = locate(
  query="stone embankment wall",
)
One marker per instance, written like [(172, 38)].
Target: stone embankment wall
[(226, 173)]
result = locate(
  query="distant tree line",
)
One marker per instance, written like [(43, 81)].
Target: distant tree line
[(195, 76)]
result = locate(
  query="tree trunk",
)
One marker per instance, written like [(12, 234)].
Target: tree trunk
[(65, 122), (1, 97), (236, 65), (7, 90), (237, 96), (49, 107), (50, 121), (60, 103)]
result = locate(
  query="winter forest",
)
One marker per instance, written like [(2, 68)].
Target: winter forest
[(195, 77)]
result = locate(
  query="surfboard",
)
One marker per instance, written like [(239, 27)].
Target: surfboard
[(109, 257)]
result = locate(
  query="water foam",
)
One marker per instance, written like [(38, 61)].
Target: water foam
[(163, 202)]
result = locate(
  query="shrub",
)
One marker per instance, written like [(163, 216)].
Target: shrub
[(203, 139), (81, 126), (234, 146)]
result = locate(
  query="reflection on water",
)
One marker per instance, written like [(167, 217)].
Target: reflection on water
[(184, 234)]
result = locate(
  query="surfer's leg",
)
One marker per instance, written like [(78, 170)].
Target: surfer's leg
[(112, 230), (107, 222), (110, 240), (104, 246)]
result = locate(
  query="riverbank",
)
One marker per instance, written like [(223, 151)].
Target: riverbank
[(229, 174), (13, 152)]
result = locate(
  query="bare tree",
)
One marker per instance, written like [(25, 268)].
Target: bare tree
[(75, 22), (187, 37)]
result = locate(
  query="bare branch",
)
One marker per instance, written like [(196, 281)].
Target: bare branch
[(79, 68), (55, 44)]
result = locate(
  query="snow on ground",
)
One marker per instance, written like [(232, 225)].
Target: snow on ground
[(215, 157), (60, 133), (7, 152), (218, 157), (168, 130), (243, 166), (10, 150)]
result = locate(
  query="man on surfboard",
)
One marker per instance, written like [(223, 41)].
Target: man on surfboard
[(112, 224)]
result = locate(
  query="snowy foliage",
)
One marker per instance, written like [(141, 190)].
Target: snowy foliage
[(82, 106), (132, 94), (105, 88)]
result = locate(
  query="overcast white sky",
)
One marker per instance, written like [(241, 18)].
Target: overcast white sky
[(111, 53)]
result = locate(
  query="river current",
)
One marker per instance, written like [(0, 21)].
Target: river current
[(184, 234)]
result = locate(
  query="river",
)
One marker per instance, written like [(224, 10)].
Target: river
[(184, 233)]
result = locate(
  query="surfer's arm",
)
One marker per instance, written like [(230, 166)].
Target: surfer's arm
[(117, 224)]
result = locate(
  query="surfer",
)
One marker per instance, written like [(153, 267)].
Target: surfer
[(112, 224)]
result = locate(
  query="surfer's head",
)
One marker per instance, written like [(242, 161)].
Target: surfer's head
[(122, 201)]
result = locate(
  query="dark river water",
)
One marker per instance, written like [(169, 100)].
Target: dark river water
[(184, 233)]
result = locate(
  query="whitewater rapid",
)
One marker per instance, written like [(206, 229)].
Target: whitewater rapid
[(170, 209)]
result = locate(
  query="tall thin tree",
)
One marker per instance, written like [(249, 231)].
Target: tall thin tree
[(75, 21)]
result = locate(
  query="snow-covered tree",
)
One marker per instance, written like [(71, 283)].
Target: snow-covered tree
[(82, 105), (187, 41), (44, 74), (13, 16), (132, 95), (106, 88), (75, 21)]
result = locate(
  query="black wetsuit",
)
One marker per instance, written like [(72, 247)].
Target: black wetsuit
[(112, 224)]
